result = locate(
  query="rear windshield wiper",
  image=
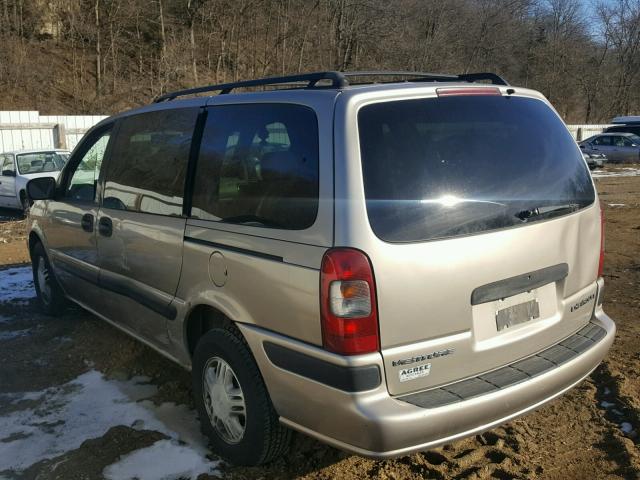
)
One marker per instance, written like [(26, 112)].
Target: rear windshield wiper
[(538, 212)]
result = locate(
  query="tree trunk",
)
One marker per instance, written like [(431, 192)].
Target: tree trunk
[(114, 65), (163, 49), (192, 11), (98, 50), (163, 38)]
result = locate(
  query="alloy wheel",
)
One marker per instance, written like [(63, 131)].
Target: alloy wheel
[(224, 400)]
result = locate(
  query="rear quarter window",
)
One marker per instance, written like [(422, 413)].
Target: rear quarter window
[(446, 167), (258, 166)]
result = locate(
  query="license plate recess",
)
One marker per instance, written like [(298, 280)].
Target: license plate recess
[(517, 314)]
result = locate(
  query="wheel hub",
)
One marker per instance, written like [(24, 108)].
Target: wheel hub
[(224, 400)]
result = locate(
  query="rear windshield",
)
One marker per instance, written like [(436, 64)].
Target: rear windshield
[(453, 166)]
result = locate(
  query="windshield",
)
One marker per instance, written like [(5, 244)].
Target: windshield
[(460, 165), (635, 139), (41, 162)]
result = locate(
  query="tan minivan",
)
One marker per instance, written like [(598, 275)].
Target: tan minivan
[(385, 266)]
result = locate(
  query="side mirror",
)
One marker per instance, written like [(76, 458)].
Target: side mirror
[(43, 188), (8, 173)]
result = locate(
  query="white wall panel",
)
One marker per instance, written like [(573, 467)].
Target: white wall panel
[(21, 130)]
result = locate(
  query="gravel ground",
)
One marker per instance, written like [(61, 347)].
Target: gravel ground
[(79, 399)]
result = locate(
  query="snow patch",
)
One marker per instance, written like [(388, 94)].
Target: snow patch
[(617, 204), (165, 459), (616, 172), (59, 419), (626, 427), (16, 284), (10, 335), (605, 404)]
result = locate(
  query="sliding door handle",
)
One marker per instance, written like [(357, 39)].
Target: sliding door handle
[(105, 227), (87, 222)]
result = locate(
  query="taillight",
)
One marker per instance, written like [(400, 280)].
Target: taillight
[(450, 92), (348, 303), (601, 261)]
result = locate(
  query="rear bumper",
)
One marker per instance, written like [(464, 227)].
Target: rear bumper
[(374, 424)]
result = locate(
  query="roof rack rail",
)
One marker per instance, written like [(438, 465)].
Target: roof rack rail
[(432, 77), (337, 79)]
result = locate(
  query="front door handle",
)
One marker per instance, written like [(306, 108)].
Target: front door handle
[(87, 222), (105, 227)]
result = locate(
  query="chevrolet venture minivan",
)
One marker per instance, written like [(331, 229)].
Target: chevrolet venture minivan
[(385, 266)]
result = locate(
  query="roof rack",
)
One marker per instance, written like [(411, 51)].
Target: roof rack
[(336, 79), (430, 77)]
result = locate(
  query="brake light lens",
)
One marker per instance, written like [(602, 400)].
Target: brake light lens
[(450, 92), (601, 261), (348, 303)]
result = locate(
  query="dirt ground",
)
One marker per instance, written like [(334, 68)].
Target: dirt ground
[(591, 432)]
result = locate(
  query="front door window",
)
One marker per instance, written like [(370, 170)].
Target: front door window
[(84, 180)]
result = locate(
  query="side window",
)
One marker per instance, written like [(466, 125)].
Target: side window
[(258, 166), (82, 185), (7, 165), (625, 142), (148, 165), (604, 140)]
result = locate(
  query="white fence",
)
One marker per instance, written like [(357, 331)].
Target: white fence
[(21, 130), (582, 132)]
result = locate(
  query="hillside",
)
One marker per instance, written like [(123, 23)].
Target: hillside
[(102, 56)]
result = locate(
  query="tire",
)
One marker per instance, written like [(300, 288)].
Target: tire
[(24, 201), (51, 298), (253, 438)]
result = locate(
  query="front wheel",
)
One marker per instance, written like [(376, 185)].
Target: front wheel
[(24, 202), (232, 401), (49, 293)]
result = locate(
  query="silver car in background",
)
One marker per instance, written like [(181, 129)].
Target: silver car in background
[(386, 267), (619, 147)]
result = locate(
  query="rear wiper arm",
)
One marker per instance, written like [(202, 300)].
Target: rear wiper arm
[(525, 215)]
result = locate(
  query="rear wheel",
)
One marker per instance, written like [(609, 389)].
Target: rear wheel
[(232, 401), (49, 293)]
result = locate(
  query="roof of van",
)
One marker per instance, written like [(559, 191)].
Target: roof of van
[(335, 80), (318, 85), (626, 120)]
